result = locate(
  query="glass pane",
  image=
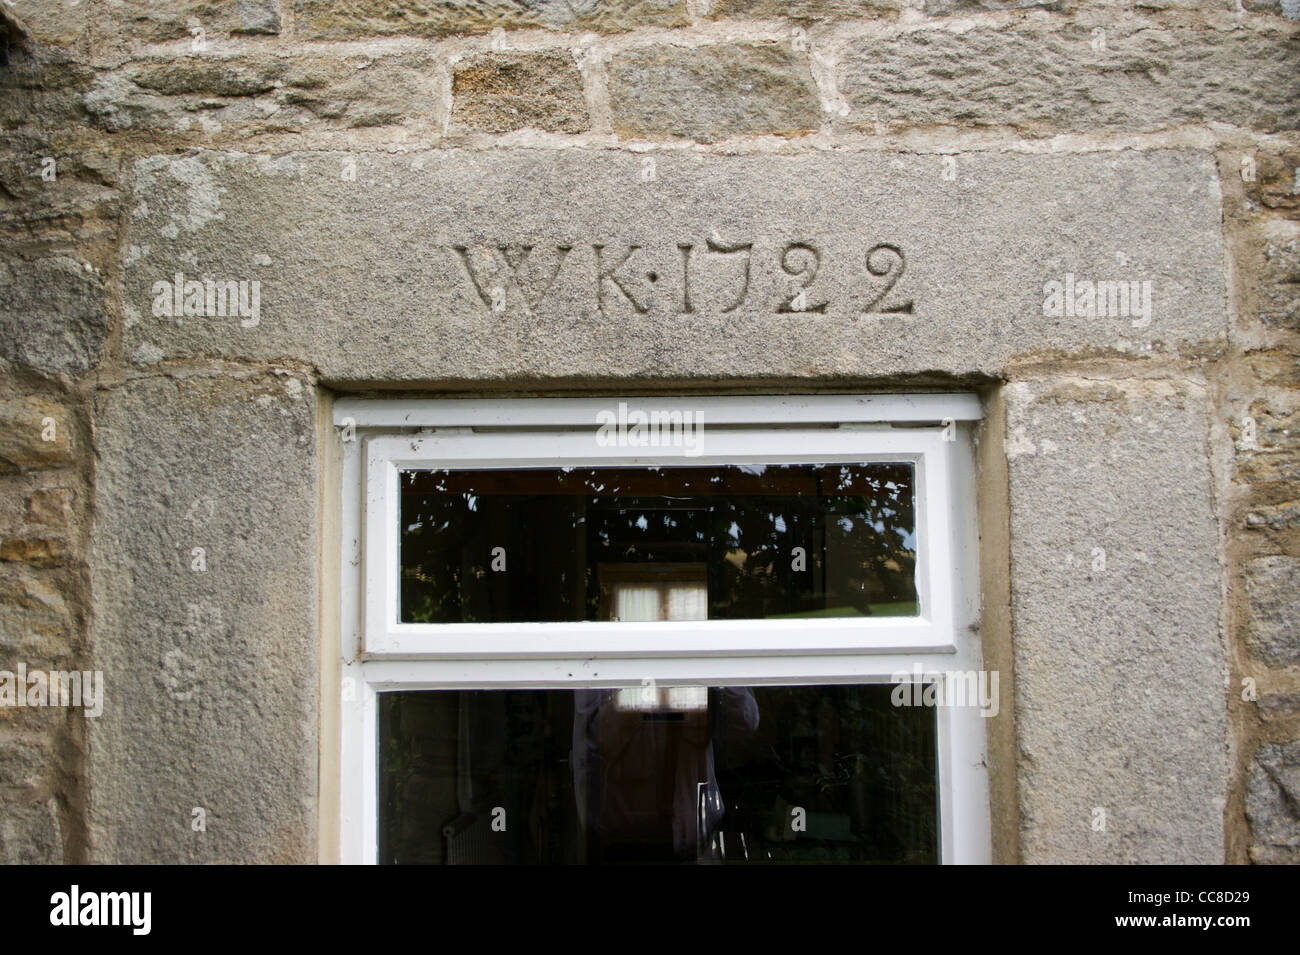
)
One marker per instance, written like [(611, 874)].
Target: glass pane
[(790, 774), (734, 542)]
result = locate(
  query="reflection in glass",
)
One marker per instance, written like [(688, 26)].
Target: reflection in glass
[(652, 774), (733, 542)]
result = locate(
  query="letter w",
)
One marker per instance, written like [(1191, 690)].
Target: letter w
[(514, 257)]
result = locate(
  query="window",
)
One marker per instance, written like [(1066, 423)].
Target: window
[(659, 629)]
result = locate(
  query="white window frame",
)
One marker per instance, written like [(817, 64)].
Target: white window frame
[(381, 438)]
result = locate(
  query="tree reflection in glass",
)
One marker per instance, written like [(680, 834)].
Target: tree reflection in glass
[(770, 540)]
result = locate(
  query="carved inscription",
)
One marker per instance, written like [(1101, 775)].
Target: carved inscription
[(807, 253), (887, 261), (514, 257), (717, 275), (610, 275)]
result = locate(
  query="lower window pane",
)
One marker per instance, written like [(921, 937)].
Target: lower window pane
[(791, 774)]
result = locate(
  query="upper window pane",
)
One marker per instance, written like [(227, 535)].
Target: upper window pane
[(657, 543)]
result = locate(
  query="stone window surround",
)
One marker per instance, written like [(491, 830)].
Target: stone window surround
[(1085, 420)]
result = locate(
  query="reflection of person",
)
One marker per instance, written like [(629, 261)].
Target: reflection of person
[(644, 778)]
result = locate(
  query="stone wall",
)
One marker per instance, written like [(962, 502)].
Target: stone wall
[(159, 470)]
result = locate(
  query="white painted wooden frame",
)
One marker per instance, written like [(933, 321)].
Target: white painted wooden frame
[(388, 456), (380, 654)]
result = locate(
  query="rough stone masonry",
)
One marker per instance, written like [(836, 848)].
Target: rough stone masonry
[(219, 214)]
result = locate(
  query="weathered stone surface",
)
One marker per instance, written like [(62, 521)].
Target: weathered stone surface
[(713, 92), (1273, 588), (1279, 288), (1279, 706), (363, 91), (1287, 8), (1274, 454), (24, 763), (828, 10), (502, 92), (1273, 803), (1276, 184), (51, 506), (257, 16), (34, 433), (943, 8), (1275, 516), (977, 254), (347, 19), (1115, 584), (20, 181), (37, 551), (1047, 77), (1277, 424), (51, 21), (50, 195), (40, 93), (216, 77), (31, 834), (1264, 469), (1175, 4), (115, 103), (51, 314), (158, 20), (35, 622), (210, 674), (265, 94), (1275, 366)]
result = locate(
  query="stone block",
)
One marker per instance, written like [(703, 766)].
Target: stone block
[(1115, 584), (574, 264), (35, 433), (51, 507), (827, 11), (351, 19), (1044, 77), (51, 314), (1272, 801), (204, 571), (157, 21), (37, 551), (1273, 592), (31, 834), (1279, 283), (502, 92), (710, 93), (35, 620)]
